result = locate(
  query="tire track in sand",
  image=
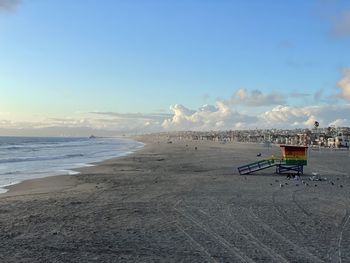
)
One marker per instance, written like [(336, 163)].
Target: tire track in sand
[(247, 235), (219, 239), (191, 238), (188, 235), (340, 239), (283, 239), (285, 217)]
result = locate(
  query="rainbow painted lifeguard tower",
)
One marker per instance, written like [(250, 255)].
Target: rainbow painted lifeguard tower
[(294, 157)]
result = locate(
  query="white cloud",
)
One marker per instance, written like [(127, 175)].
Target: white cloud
[(222, 117), (9, 5), (341, 123), (344, 84), (83, 124), (144, 116), (341, 26), (337, 15), (285, 115), (255, 98), (292, 117), (208, 117)]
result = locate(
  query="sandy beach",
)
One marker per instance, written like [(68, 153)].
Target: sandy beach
[(181, 202)]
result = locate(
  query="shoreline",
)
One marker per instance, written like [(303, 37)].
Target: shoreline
[(35, 184)]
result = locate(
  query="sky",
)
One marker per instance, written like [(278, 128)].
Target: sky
[(117, 66)]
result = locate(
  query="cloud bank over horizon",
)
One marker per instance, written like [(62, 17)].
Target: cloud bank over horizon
[(245, 109), (206, 118)]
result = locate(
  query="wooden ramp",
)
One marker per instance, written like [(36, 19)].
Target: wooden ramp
[(257, 166)]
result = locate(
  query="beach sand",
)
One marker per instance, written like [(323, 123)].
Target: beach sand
[(169, 202)]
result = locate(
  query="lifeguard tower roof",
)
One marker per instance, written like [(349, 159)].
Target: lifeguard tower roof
[(294, 154)]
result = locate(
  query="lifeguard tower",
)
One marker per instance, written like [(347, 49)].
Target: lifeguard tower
[(293, 160)]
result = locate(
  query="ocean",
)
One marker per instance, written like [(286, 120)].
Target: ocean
[(23, 158)]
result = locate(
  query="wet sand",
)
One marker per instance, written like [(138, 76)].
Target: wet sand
[(169, 202)]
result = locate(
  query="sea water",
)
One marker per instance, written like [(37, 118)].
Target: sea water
[(23, 158)]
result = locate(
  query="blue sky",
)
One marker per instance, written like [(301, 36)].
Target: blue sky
[(65, 59)]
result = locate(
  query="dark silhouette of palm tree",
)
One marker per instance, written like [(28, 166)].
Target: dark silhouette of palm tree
[(316, 124)]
